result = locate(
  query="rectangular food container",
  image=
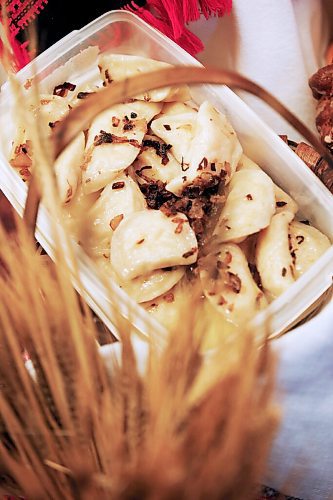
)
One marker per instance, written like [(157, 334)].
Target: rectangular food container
[(124, 33)]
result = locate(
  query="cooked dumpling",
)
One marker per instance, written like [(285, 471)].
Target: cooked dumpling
[(107, 161), (168, 307), (119, 118), (155, 162), (48, 112), (114, 141), (284, 202), (308, 244), (214, 148), (116, 67), (249, 207), (215, 140), (150, 240), (230, 287), (110, 154), (273, 257), (118, 199), (52, 109), (75, 213), (154, 284), (67, 168), (178, 131), (83, 92)]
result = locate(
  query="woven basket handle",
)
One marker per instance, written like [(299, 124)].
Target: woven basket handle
[(80, 117)]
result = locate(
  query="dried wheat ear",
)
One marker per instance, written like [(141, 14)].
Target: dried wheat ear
[(72, 427)]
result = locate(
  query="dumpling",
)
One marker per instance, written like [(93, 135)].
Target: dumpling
[(178, 131), (117, 199), (150, 240), (215, 140), (116, 67), (230, 287), (307, 244), (168, 307), (67, 168), (155, 162), (119, 118), (273, 258), (154, 284), (114, 141), (52, 109), (214, 148), (249, 207), (283, 201)]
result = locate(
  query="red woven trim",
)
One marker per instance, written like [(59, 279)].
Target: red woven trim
[(22, 12)]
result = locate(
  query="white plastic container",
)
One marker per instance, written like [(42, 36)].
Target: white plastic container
[(122, 32)]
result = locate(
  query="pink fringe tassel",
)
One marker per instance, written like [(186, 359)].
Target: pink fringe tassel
[(215, 7), (171, 16)]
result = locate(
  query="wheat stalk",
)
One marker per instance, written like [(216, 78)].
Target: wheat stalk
[(188, 428)]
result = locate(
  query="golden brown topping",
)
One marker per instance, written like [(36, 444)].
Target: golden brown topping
[(281, 203), (169, 297), (228, 258), (222, 301), (188, 254), (28, 83), (233, 281), (83, 95), (107, 76), (103, 138), (180, 222), (22, 160), (227, 168), (53, 124), (128, 124), (108, 138), (161, 149), (259, 297), (115, 121), (116, 221), (69, 194), (203, 164), (63, 89), (118, 185)]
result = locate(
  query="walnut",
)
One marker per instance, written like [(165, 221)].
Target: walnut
[(321, 83)]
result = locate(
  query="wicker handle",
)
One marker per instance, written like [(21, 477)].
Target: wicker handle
[(118, 92)]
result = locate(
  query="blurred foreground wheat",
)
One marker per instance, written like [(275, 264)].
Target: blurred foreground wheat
[(188, 428)]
